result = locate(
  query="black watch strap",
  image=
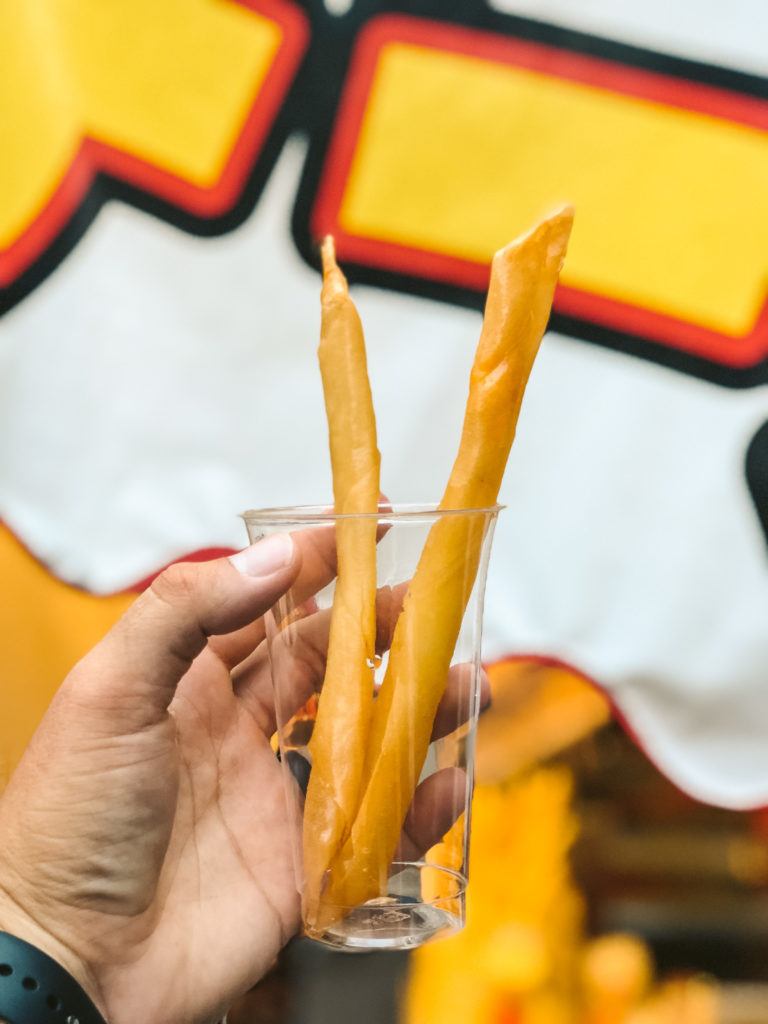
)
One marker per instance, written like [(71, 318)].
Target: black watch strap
[(34, 989)]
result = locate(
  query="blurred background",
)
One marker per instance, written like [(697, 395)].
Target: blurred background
[(599, 893), (166, 169)]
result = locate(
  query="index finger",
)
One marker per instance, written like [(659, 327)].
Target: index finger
[(317, 547)]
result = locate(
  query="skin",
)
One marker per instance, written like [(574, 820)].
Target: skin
[(144, 842), (148, 808)]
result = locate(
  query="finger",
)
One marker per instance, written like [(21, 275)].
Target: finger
[(133, 673), (457, 704), (233, 648), (317, 550), (299, 653), (230, 648), (437, 803), (298, 660), (274, 685), (317, 554), (455, 710)]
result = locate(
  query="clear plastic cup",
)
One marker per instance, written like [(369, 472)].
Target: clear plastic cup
[(391, 873)]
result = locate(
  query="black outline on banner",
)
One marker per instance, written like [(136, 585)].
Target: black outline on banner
[(310, 107)]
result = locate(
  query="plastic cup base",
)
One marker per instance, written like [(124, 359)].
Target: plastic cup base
[(390, 922)]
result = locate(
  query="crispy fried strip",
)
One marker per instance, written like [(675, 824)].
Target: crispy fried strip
[(523, 279), (339, 738)]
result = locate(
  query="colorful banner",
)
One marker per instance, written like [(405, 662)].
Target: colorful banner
[(167, 169)]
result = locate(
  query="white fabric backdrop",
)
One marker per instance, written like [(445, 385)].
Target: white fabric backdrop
[(159, 383)]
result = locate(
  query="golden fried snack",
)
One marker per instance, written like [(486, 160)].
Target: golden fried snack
[(523, 279), (339, 738)]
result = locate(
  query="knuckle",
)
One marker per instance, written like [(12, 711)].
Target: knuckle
[(177, 584)]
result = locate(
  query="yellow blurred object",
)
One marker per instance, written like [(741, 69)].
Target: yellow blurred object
[(682, 1001), (518, 959), (515, 960), (435, 884), (524, 957), (537, 711), (616, 974), (44, 630)]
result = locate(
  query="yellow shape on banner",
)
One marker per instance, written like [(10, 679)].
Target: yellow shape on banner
[(170, 83), (45, 628), (458, 154), (538, 711)]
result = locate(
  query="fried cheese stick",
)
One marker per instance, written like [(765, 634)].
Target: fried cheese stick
[(339, 738), (523, 279)]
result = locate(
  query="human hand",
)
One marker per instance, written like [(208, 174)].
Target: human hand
[(143, 838), (144, 842)]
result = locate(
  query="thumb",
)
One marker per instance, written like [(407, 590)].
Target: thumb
[(133, 673)]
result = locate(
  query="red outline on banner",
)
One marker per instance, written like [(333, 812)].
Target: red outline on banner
[(94, 156), (728, 350), (198, 555), (546, 661)]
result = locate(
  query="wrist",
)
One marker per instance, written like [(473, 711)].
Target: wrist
[(16, 921)]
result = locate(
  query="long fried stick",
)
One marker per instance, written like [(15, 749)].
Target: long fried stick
[(340, 734), (523, 279)]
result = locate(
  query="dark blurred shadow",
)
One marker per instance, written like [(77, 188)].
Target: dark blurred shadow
[(315, 985)]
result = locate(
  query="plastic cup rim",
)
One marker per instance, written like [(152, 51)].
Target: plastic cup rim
[(398, 511)]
